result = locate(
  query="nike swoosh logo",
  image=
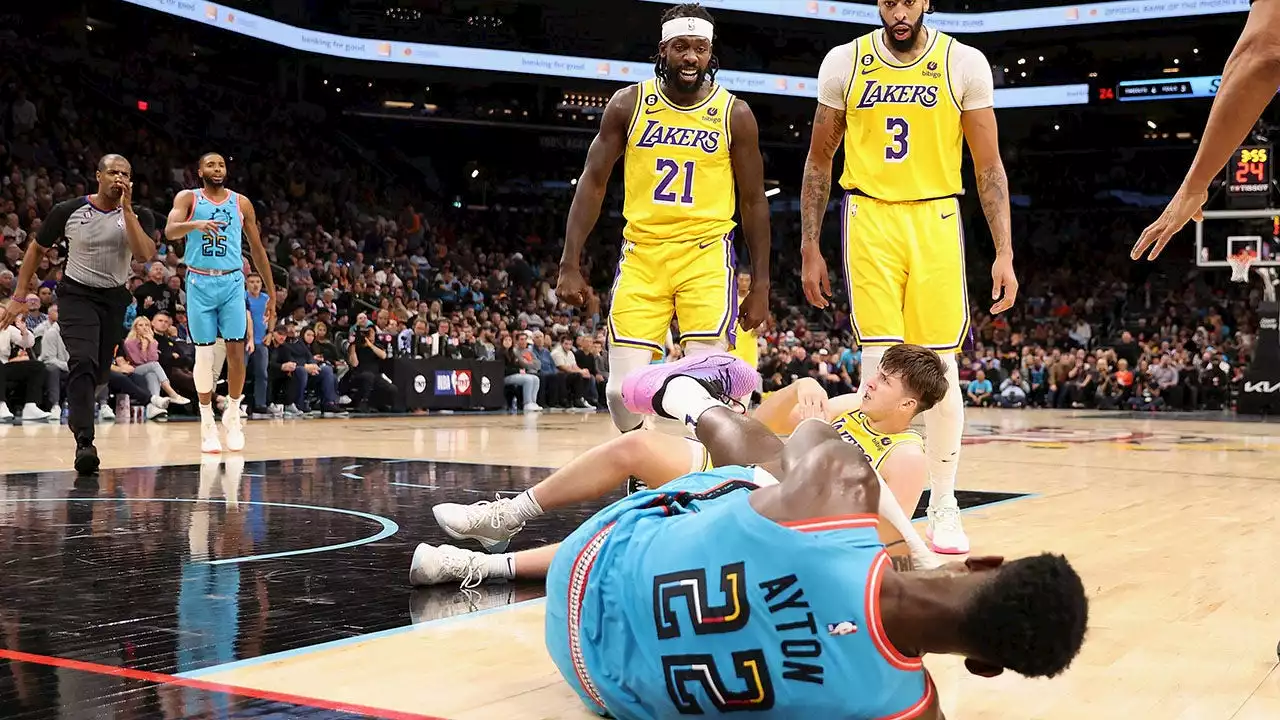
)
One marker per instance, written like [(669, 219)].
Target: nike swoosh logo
[(705, 245), (944, 217), (868, 71), (651, 111)]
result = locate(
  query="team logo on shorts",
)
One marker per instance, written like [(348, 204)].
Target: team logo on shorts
[(867, 60)]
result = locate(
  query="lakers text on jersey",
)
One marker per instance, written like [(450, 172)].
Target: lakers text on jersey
[(902, 236), (678, 257)]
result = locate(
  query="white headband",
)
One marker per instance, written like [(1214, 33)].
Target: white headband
[(696, 27)]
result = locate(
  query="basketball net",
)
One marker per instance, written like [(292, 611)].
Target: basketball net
[(1240, 264)]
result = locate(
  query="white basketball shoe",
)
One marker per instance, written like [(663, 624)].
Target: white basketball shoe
[(446, 563), (233, 421), (490, 523), (945, 531)]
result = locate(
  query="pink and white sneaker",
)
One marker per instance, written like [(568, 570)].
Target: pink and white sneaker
[(725, 377)]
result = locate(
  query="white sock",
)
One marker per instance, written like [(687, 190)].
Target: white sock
[(685, 399), (206, 413), (922, 558), (501, 566), (526, 506), (234, 402), (944, 426)]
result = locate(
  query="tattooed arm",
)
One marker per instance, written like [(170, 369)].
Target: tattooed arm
[(993, 190), (815, 192)]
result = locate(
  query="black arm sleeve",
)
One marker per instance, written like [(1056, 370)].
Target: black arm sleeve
[(55, 225)]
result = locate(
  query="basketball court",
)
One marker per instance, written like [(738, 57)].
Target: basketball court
[(172, 590)]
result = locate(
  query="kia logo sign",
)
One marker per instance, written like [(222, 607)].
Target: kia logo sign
[(1262, 386)]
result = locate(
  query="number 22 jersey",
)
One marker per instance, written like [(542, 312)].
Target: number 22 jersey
[(716, 609)]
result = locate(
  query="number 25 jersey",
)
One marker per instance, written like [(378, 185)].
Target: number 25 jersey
[(220, 249), (678, 174)]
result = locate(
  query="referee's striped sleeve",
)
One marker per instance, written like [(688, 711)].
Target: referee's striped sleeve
[(55, 225)]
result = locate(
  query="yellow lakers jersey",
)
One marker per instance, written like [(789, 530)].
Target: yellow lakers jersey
[(854, 427), (746, 348), (903, 139), (677, 171)]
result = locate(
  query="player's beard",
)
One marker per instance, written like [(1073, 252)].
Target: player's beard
[(909, 42), (213, 183), (680, 84)]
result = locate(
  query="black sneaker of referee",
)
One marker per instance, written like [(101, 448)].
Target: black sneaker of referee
[(86, 458)]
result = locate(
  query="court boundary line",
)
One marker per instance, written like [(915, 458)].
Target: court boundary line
[(355, 639), (385, 461), (209, 686), (389, 526)]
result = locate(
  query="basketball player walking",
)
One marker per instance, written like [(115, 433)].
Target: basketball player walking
[(212, 218), (1249, 82), (687, 143), (904, 99)]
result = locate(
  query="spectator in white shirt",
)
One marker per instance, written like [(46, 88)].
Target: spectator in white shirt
[(19, 370), (54, 355)]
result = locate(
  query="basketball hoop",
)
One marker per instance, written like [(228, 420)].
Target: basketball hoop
[(1240, 264)]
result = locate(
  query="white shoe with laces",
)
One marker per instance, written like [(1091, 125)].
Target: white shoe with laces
[(209, 442), (446, 563), (233, 421), (5, 414), (945, 531), (492, 524)]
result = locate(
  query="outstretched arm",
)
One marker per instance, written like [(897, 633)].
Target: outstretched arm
[(748, 171), (1248, 84), (589, 193)]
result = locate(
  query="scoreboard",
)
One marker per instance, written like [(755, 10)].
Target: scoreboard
[(1248, 176)]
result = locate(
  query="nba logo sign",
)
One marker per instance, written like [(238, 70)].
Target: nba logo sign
[(444, 382), (462, 382)]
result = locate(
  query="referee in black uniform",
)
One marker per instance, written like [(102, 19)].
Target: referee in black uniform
[(103, 232)]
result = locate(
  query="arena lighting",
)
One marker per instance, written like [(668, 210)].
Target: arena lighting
[(397, 105), (770, 193), (1151, 124), (560, 66), (987, 22), (475, 174)]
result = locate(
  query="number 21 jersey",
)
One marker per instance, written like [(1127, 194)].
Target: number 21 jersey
[(677, 171)]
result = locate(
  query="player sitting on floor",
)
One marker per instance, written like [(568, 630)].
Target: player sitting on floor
[(727, 591), (876, 419)]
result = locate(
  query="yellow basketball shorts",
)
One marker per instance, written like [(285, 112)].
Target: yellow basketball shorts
[(904, 269), (692, 281)]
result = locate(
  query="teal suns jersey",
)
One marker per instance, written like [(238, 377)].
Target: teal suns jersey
[(717, 609), (219, 249)]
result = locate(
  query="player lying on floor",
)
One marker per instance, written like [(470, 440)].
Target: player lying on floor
[(726, 591), (910, 381)]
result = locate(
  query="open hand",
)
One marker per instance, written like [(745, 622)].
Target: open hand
[(1185, 206)]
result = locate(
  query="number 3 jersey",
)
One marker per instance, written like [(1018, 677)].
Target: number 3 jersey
[(219, 249), (903, 139), (697, 604), (678, 175)]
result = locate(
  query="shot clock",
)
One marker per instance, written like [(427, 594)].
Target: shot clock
[(1248, 176)]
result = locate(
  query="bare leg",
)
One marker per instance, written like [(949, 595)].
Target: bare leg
[(235, 369), (655, 458), (533, 564)]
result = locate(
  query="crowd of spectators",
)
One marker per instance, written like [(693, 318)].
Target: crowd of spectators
[(366, 268)]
